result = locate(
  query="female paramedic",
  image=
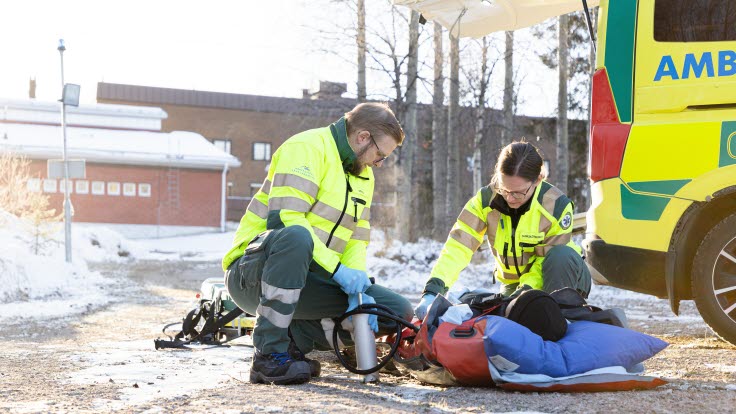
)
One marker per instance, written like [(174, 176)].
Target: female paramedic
[(528, 222)]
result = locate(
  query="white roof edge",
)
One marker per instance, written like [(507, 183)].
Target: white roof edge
[(92, 109), (177, 148), (94, 157)]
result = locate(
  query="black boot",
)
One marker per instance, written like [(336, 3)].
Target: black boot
[(314, 367), (279, 369)]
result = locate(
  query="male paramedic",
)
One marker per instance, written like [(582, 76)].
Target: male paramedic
[(299, 255)]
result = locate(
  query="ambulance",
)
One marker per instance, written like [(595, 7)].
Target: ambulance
[(663, 141), (663, 154)]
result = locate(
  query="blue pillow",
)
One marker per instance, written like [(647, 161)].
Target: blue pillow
[(586, 346)]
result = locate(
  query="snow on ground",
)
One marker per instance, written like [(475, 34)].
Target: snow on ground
[(202, 247), (171, 373), (722, 367), (45, 286)]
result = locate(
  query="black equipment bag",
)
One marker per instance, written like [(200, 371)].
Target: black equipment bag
[(543, 313), (575, 308), (214, 321), (538, 311)]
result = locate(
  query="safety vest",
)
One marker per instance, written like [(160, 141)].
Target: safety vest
[(519, 253), (307, 185)]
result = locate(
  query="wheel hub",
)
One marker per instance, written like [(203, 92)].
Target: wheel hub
[(724, 279)]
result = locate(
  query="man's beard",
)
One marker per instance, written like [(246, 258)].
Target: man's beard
[(359, 166)]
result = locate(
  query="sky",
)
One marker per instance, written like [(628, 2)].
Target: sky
[(255, 47), (267, 48)]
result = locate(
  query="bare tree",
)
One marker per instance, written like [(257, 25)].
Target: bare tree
[(562, 166), (507, 133), (362, 94), (387, 51), (578, 69), (406, 194), (439, 141), (388, 54), (453, 141), (484, 79)]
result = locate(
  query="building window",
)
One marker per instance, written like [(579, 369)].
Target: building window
[(49, 185), (113, 188), (62, 186), (144, 190), (262, 151), (34, 185), (81, 186), (129, 189), (98, 187), (223, 145)]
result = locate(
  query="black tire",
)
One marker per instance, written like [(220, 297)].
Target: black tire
[(714, 278)]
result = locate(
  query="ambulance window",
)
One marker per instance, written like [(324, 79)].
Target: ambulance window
[(694, 20)]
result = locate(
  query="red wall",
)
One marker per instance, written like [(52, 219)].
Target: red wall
[(198, 193)]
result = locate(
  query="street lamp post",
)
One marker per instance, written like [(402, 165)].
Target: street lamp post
[(67, 201)]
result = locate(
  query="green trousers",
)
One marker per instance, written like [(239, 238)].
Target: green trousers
[(272, 280), (562, 267)]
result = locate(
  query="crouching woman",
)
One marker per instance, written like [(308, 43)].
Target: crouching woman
[(528, 222)]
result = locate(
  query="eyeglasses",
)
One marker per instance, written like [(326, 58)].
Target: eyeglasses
[(379, 151), (518, 195)]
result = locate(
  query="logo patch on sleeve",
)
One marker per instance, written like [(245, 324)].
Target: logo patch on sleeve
[(566, 221), (304, 171)]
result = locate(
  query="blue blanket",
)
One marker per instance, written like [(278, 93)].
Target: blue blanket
[(587, 346)]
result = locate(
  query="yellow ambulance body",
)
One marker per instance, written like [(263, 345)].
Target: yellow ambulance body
[(663, 154)]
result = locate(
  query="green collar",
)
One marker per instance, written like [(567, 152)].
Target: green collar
[(340, 134)]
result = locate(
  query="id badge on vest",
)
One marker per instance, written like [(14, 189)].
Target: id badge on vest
[(530, 239)]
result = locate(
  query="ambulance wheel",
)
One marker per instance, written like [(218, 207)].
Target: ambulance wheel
[(714, 279)]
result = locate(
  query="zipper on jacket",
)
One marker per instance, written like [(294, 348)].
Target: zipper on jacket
[(505, 244), (348, 189), (356, 201), (513, 251)]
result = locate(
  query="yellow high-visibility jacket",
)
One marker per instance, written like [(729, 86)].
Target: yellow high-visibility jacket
[(519, 252), (307, 185)]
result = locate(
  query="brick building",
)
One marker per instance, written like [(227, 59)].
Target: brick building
[(139, 180), (251, 127)]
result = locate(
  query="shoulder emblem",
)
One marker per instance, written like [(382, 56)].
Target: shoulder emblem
[(566, 221)]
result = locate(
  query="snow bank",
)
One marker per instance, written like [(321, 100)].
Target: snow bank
[(405, 267), (100, 244), (36, 280)]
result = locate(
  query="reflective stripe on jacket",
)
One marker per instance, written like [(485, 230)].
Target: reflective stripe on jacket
[(307, 186), (546, 224)]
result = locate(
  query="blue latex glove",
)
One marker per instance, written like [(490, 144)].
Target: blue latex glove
[(353, 303), (421, 310), (352, 281)]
